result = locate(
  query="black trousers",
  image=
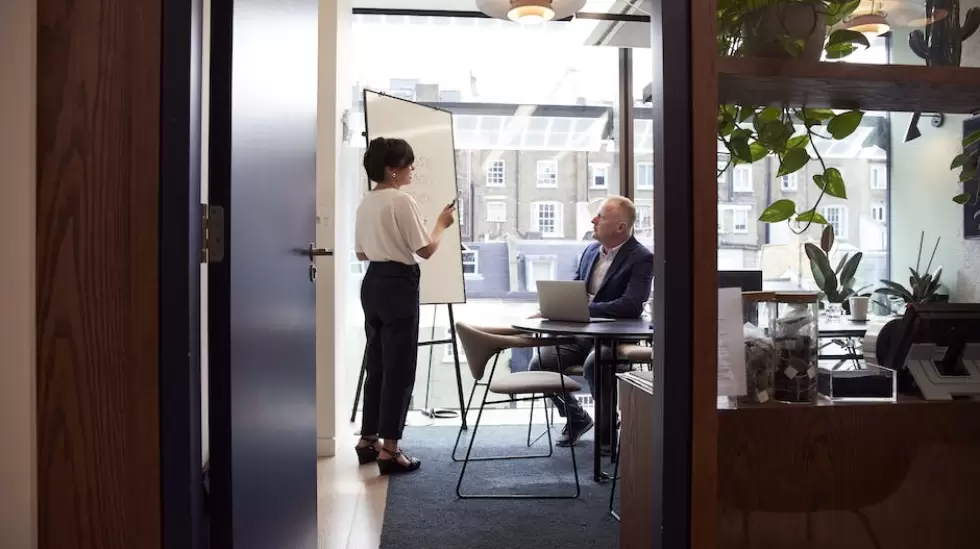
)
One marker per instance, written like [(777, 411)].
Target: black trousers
[(390, 299)]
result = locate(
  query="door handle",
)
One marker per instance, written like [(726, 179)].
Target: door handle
[(313, 252)]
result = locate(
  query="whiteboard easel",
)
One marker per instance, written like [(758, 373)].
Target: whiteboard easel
[(430, 132)]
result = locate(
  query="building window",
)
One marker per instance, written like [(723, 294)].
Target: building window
[(837, 218), (878, 176), (356, 265), (789, 182), (878, 213), (644, 218), (539, 267), (742, 178), (600, 176), (448, 357), (644, 176), (496, 212), (722, 169), (546, 219), (547, 173), (470, 262), (734, 218), (495, 174)]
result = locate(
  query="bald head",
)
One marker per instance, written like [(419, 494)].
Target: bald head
[(613, 224)]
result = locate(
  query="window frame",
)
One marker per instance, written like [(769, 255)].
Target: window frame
[(530, 260), (593, 166), (879, 183), (842, 234), (549, 163), (876, 207), (491, 203), (641, 183), (745, 209), (475, 262), (536, 207), (794, 180), (745, 169), (492, 171)]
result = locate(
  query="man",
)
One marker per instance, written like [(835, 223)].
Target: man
[(618, 272)]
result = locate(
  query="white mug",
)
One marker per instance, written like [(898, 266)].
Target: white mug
[(859, 307)]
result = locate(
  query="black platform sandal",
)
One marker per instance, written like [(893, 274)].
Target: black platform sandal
[(394, 466), (368, 453)]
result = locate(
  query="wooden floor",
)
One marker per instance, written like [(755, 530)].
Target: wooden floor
[(351, 498)]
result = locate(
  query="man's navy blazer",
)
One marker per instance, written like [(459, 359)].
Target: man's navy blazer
[(627, 284)]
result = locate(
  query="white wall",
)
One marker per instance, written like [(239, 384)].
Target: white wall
[(333, 98), (922, 187), (18, 490)]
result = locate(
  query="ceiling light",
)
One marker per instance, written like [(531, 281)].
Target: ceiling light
[(872, 24), (530, 11)]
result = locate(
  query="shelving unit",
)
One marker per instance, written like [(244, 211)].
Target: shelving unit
[(948, 90)]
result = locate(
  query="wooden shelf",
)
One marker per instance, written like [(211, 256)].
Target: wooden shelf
[(947, 90)]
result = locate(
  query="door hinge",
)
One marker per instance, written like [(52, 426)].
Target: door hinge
[(212, 234)]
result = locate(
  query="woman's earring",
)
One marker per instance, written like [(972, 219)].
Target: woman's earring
[(394, 175)]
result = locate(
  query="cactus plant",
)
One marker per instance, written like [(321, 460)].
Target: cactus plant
[(941, 43)]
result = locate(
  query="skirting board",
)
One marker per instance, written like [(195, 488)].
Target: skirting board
[(326, 447)]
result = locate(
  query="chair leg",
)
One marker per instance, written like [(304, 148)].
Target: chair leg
[(469, 405), (548, 422), (469, 450)]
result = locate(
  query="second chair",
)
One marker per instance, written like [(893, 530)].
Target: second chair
[(480, 346)]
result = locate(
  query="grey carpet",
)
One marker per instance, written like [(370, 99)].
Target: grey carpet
[(423, 511)]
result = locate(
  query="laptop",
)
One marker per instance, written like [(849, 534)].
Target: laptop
[(565, 301)]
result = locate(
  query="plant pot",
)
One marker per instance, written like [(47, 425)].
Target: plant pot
[(765, 30)]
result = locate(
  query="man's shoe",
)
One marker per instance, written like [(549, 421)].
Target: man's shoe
[(572, 433)]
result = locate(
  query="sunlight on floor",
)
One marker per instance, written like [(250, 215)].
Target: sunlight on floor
[(351, 498)]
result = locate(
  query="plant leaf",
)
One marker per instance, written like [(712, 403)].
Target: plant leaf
[(844, 124), (847, 36), (962, 198), (847, 275), (818, 114), (745, 113), (823, 275), (738, 145), (757, 151), (780, 210), (798, 142), (961, 160), (769, 114), (832, 183), (895, 289), (840, 51), (811, 216), (967, 174), (841, 264), (971, 139), (827, 239), (793, 160)]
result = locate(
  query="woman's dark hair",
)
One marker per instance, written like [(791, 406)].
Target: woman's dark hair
[(386, 153)]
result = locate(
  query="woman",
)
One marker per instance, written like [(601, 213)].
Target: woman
[(390, 233)]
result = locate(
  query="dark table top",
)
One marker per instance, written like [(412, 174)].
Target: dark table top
[(618, 329), (845, 327)]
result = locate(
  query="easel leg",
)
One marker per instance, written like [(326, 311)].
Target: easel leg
[(357, 392), (459, 373)]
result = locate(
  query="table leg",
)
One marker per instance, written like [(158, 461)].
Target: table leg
[(613, 407), (598, 392)]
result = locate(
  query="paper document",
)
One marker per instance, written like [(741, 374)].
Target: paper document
[(731, 346)]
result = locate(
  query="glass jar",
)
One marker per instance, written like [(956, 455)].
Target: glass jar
[(794, 332), (761, 356)]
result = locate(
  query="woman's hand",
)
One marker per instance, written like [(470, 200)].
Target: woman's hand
[(446, 217)]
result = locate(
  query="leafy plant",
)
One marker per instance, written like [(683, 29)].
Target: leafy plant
[(966, 162), (837, 284), (751, 133), (922, 287)]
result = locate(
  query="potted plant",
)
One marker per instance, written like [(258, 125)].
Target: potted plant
[(836, 284), (923, 286), (795, 29)]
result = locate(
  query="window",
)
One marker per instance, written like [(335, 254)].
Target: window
[(448, 356), (722, 169), (837, 218), (789, 182), (496, 174), (600, 176), (496, 212), (644, 175), (547, 173), (644, 218), (546, 219), (356, 265), (470, 262), (539, 267), (742, 178), (878, 177), (734, 218), (878, 213)]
